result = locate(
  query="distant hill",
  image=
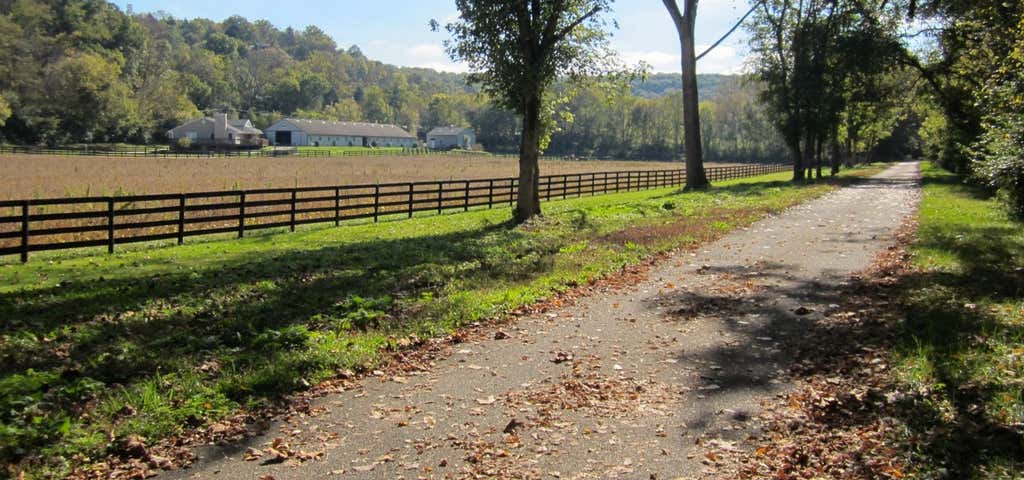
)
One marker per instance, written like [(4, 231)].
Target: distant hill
[(660, 84)]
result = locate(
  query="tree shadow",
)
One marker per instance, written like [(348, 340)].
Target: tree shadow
[(256, 318), (951, 424)]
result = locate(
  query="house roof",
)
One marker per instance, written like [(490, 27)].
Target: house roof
[(238, 127), (443, 131), (350, 129)]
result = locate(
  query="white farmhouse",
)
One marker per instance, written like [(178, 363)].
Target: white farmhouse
[(325, 133), (451, 137), (217, 131)]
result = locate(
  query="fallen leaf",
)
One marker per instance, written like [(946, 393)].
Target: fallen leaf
[(512, 426), (252, 454), (561, 357)]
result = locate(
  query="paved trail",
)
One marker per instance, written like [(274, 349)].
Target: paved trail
[(622, 385)]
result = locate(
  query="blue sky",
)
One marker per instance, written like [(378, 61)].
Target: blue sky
[(396, 31)]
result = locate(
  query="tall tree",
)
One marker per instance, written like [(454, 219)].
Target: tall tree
[(685, 21), (517, 49)]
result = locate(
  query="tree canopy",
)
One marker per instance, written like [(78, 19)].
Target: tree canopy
[(517, 50)]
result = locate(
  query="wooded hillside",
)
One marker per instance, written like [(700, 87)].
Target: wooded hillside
[(84, 71)]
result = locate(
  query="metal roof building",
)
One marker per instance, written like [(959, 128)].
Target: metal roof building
[(326, 133), (451, 137)]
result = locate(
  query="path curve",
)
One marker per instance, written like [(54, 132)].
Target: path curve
[(628, 383)]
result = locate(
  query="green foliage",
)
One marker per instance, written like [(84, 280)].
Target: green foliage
[(5, 111), (824, 64), (974, 95), (999, 154), (518, 50)]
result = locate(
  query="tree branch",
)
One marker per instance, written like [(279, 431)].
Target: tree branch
[(572, 26), (731, 30), (673, 11)]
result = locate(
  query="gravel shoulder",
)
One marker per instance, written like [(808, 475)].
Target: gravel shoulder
[(628, 382)]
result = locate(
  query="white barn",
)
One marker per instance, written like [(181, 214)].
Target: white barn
[(451, 137), (325, 133)]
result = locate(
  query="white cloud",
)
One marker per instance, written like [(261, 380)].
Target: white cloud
[(723, 59), (432, 55), (426, 50), (444, 66)]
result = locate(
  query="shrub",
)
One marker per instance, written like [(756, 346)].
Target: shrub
[(999, 161), (184, 143)]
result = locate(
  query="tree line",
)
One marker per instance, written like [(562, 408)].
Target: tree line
[(79, 71), (938, 78)]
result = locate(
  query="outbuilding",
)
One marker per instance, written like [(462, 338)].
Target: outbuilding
[(217, 132), (325, 133), (451, 137)]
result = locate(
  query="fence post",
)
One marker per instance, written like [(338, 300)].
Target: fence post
[(629, 181), (440, 197), (490, 194), (24, 231), (376, 203), (292, 221), (565, 186), (465, 197), (337, 207), (512, 194), (110, 225), (181, 219), (410, 198), (241, 214)]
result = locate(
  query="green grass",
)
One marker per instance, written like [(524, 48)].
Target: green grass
[(963, 340), (347, 149), (153, 341)]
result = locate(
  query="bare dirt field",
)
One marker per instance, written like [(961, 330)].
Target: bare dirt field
[(41, 176)]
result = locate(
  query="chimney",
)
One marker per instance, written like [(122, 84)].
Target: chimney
[(220, 126)]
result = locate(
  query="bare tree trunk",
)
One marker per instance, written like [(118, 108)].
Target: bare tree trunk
[(798, 161), (835, 152), (807, 162), (696, 178), (817, 157), (528, 201)]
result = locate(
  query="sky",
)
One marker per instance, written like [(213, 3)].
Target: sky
[(397, 31)]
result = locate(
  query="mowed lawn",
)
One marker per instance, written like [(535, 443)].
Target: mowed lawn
[(153, 341), (961, 349), (44, 176)]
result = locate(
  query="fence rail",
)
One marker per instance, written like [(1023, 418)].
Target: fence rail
[(65, 223)]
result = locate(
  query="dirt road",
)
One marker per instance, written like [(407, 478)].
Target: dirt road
[(627, 383)]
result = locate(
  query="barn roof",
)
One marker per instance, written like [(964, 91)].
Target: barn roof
[(445, 131), (237, 127), (348, 129)]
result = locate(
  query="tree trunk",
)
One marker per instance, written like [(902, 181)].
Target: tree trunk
[(808, 157), (817, 157), (696, 178), (798, 161), (834, 160), (528, 201)]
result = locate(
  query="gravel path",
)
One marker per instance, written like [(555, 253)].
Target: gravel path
[(628, 383)]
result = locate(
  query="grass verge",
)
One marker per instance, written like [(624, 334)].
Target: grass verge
[(962, 348), (98, 353)]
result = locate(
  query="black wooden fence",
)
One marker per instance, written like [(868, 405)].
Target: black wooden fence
[(65, 223)]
